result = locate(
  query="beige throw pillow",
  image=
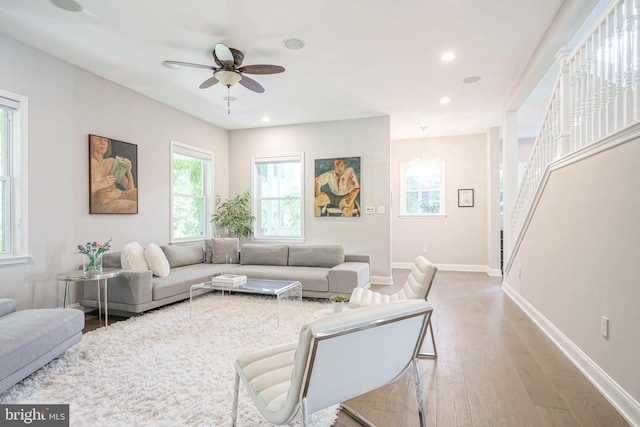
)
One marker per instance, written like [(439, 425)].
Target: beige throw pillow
[(132, 257), (158, 263)]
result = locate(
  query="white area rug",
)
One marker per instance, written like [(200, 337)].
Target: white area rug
[(165, 369)]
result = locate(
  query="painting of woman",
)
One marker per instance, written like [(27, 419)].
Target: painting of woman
[(112, 181)]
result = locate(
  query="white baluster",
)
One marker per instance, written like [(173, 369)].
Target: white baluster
[(627, 64), (635, 58)]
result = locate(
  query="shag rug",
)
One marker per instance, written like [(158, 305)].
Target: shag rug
[(165, 369)]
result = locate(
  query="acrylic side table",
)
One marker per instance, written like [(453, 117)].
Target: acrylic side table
[(99, 278)]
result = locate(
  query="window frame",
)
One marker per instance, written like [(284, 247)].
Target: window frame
[(207, 156), (278, 158), (403, 200), (17, 198)]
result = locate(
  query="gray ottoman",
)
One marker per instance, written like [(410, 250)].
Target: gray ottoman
[(29, 339)]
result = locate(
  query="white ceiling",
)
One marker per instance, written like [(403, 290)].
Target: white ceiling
[(361, 58)]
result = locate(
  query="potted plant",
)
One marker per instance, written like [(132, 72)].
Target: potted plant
[(337, 302), (233, 216)]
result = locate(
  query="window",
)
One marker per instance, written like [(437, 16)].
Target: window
[(191, 189), (13, 178), (277, 195), (422, 188)]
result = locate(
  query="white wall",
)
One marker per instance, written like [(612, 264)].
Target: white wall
[(65, 105), (366, 138), (458, 240), (577, 262)]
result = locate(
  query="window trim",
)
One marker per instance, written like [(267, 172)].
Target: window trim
[(196, 152), (19, 173), (403, 168), (272, 158)]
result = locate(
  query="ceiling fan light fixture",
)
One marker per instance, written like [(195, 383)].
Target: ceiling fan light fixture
[(228, 78), (68, 5)]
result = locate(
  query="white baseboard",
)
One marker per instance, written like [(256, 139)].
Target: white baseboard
[(628, 407), (454, 267), (382, 280)]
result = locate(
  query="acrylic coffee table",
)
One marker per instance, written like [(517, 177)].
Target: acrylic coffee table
[(285, 291)]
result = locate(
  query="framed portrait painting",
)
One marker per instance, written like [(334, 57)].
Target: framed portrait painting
[(337, 187), (113, 176)]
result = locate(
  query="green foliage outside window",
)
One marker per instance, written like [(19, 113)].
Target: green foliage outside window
[(189, 200)]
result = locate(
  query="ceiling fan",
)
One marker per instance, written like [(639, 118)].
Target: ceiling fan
[(229, 69)]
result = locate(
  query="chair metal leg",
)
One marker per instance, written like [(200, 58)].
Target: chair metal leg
[(433, 355), (305, 413), (356, 416), (234, 413), (416, 377)]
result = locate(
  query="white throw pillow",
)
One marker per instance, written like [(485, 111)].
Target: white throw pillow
[(132, 257), (158, 263)]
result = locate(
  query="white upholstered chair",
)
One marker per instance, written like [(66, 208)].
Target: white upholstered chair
[(336, 358), (417, 286)]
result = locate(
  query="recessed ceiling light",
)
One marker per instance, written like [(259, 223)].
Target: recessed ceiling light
[(293, 44), (471, 79), (69, 5), (170, 65), (230, 98), (448, 56), (444, 100), (265, 119)]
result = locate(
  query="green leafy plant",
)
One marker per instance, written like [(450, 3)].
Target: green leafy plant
[(233, 216), (337, 298)]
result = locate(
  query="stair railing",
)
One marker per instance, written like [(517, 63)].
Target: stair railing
[(596, 94)]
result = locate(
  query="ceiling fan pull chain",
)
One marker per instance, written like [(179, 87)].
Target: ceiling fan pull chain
[(228, 99)]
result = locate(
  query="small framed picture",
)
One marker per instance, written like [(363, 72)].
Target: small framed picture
[(465, 198)]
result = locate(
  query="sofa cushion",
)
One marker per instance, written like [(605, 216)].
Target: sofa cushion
[(208, 250), (316, 255), (264, 254), (112, 260), (181, 279), (179, 255), (7, 305), (132, 257), (157, 260), (312, 278), (223, 247)]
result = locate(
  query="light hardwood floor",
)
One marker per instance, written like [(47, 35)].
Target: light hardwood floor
[(494, 368)]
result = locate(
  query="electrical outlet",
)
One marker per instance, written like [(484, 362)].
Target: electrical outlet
[(604, 326), (424, 249)]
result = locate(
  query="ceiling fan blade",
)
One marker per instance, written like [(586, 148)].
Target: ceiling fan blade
[(251, 84), (223, 55), (261, 69), (209, 82), (238, 57), (188, 64)]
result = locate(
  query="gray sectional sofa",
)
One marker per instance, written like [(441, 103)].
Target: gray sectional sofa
[(29, 339), (323, 270)]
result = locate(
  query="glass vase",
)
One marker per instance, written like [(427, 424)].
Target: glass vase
[(92, 265)]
